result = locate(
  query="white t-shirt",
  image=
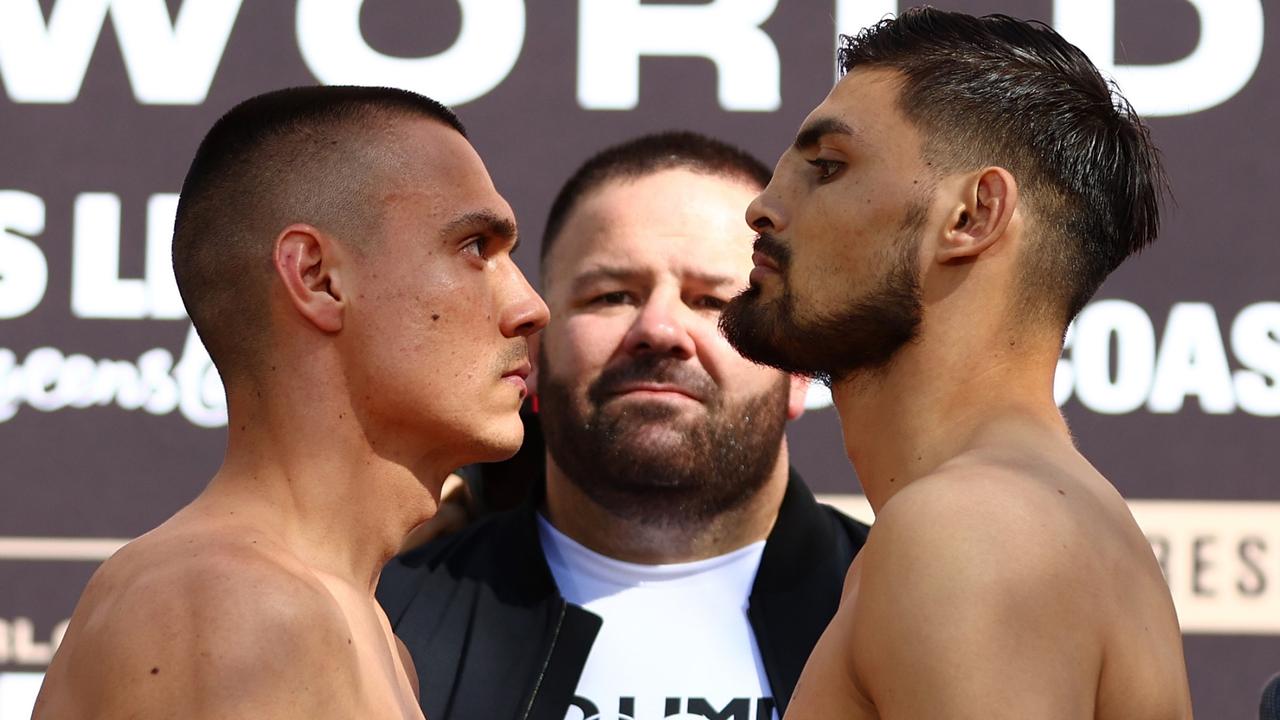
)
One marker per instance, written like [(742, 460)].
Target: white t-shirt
[(675, 642)]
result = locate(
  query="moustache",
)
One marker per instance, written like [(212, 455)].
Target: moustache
[(514, 355), (774, 248), (653, 369)]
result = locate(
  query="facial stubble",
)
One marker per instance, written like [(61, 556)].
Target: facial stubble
[(861, 337), (652, 463)]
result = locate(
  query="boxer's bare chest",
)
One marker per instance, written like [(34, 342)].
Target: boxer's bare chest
[(384, 678)]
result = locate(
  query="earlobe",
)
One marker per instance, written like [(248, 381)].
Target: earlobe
[(306, 262), (983, 217)]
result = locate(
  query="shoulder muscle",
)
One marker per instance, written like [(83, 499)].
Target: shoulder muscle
[(228, 634), (969, 601)]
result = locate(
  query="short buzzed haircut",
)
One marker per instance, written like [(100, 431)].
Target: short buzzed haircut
[(315, 155), (645, 155), (1000, 91)]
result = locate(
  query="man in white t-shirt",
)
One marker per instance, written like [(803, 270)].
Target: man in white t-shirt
[(670, 565)]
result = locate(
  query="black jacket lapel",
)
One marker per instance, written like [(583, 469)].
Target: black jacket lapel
[(797, 588)]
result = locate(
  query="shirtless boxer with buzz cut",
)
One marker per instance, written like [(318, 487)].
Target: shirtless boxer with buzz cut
[(347, 262), (938, 221)]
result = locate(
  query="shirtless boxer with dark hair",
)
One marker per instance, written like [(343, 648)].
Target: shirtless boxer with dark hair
[(938, 221)]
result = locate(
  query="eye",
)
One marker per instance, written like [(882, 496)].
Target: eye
[(710, 302), (827, 169), (477, 246), (617, 297)]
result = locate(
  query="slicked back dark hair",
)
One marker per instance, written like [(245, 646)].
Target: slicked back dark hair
[(645, 155), (1000, 91), (316, 155)]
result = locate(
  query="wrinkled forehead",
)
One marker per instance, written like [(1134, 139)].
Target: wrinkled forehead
[(678, 222)]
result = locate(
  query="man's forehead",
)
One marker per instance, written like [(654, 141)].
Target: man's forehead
[(436, 170), (635, 253), (674, 189), (857, 98), (451, 207), (427, 152), (671, 220), (625, 268), (820, 126)]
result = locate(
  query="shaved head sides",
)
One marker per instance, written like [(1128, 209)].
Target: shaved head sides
[(998, 91), (315, 155)]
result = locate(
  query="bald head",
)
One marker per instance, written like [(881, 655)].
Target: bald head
[(323, 156)]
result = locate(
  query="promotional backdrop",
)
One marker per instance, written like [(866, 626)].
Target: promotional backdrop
[(111, 416)]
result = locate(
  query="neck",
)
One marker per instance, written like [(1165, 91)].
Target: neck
[(939, 400), (310, 475), (576, 515)]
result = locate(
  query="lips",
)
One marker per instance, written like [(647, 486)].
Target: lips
[(761, 260), (517, 377), (522, 371), (654, 376), (769, 252), (655, 388)]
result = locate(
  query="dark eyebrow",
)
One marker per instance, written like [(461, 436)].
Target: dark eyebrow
[(482, 222), (810, 134)]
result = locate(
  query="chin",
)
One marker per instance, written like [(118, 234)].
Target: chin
[(767, 289), (503, 441)]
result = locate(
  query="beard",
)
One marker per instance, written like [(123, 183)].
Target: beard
[(862, 336), (651, 463)]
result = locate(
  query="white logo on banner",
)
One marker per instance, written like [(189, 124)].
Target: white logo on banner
[(24, 272), (20, 646), (1225, 58), (614, 34), (478, 61), (174, 62), (1189, 361), (1113, 365), (97, 290), (49, 381), (168, 63)]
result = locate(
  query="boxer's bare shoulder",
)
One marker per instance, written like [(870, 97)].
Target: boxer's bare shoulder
[(196, 621), (1002, 585)]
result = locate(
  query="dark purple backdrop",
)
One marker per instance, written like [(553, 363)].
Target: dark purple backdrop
[(1195, 322)]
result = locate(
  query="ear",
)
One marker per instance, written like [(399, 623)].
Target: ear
[(983, 216), (307, 263), (799, 391)]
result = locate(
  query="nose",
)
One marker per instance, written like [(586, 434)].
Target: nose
[(764, 214), (660, 328), (525, 313)]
